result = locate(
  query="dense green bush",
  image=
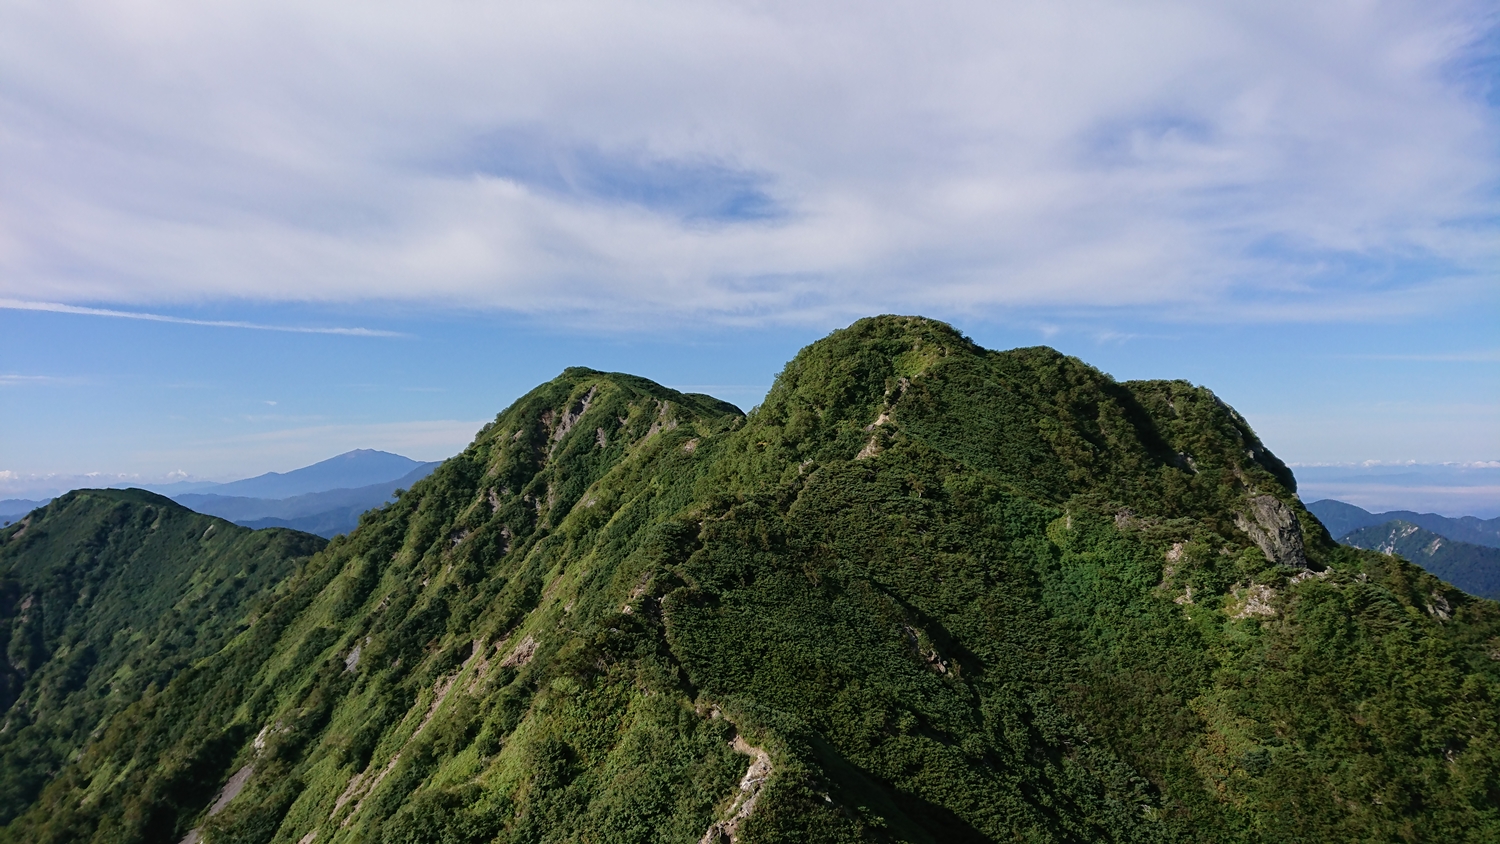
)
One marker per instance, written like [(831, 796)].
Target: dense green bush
[(105, 597)]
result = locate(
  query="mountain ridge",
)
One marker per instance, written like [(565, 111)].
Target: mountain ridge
[(104, 596), (1472, 568), (924, 592), (1343, 518)]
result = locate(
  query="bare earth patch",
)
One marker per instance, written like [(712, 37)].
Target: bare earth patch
[(727, 831), (1253, 600), (231, 790)]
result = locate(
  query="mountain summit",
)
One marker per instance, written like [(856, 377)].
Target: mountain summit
[(358, 468), (926, 592)]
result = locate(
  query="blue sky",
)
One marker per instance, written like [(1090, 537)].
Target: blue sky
[(1298, 207)]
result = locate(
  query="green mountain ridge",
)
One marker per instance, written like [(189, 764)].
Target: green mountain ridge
[(1342, 519), (1472, 568), (925, 592), (106, 595)]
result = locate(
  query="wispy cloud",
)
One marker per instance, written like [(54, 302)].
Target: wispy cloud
[(1255, 161), (60, 308), (1480, 356), (33, 380), (1452, 468), (43, 485)]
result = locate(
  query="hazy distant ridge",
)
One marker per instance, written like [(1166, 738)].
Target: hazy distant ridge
[(1453, 488), (1342, 518), (14, 508), (325, 498), (326, 513), (350, 470), (1472, 568)]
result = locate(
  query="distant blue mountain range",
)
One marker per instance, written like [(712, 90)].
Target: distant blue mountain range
[(350, 470), (325, 498), (326, 513), (1464, 551), (14, 508), (1342, 519)]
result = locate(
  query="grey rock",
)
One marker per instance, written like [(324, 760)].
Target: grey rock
[(1273, 527)]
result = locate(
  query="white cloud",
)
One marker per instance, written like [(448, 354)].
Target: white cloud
[(46, 485), (750, 161), (57, 307), (10, 380)]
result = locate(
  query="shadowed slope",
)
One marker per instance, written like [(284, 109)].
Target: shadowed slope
[(106, 595)]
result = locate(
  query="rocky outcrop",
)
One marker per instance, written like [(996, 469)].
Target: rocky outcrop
[(727, 831), (1273, 527)]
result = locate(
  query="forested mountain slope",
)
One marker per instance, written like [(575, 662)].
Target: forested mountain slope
[(926, 592), (1472, 568), (106, 596)]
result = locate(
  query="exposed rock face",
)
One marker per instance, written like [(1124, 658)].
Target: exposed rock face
[(1255, 600), (1275, 530), (522, 653), (727, 831)]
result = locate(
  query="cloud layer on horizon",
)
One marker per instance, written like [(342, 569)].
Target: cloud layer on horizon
[(753, 161)]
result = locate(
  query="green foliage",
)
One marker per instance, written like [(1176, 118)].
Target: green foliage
[(105, 596), (944, 593), (1472, 568)]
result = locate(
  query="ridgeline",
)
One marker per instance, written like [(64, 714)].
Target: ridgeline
[(926, 592)]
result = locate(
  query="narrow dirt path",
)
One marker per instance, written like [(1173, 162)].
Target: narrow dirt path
[(357, 790), (727, 831)]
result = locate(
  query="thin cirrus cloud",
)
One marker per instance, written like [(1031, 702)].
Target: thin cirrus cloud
[(60, 308), (13, 380), (753, 162)]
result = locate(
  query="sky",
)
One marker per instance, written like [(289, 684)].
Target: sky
[(245, 236)]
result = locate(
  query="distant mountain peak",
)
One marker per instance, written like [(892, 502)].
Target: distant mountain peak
[(361, 467)]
